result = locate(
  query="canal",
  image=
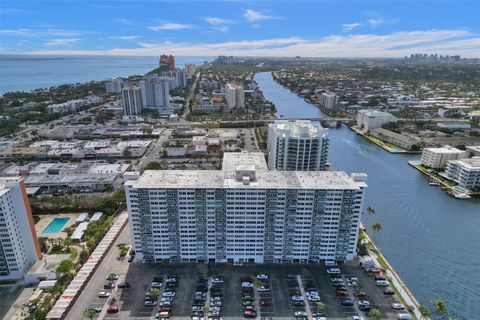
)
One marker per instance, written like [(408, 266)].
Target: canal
[(431, 239)]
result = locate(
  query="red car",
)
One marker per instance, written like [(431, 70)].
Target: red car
[(165, 308), (265, 303), (112, 309), (250, 314), (341, 293)]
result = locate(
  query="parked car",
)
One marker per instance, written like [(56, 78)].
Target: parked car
[(112, 309), (300, 313), (103, 294), (217, 280), (109, 285), (333, 271), (365, 308), (150, 303), (249, 313), (97, 309), (380, 278), (398, 306), (404, 316), (263, 289), (359, 294), (262, 276), (265, 303), (363, 303), (124, 285), (156, 284), (297, 298), (341, 293), (330, 263), (389, 291), (381, 283), (246, 284), (346, 302)]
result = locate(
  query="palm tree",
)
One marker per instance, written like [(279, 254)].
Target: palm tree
[(375, 314), (376, 227), (440, 308), (89, 313), (370, 210), (424, 311)]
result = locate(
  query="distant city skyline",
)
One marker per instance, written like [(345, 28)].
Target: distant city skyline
[(247, 28)]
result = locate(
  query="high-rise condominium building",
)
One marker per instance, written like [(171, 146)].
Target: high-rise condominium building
[(235, 95), (114, 85), (300, 145), (156, 94), (19, 247), (245, 213), (177, 78), (167, 62), (328, 100), (132, 101)]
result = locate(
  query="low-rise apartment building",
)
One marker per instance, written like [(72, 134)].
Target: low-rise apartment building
[(465, 172), (397, 139), (369, 119), (437, 158)]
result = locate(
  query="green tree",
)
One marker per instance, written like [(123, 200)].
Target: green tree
[(111, 277), (370, 210), (154, 165), (154, 293), (65, 266), (375, 314), (83, 257), (89, 313), (424, 311), (376, 227), (43, 242), (127, 153), (320, 306), (440, 308)]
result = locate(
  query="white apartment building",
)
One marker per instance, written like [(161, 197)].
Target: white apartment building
[(437, 158), (19, 248), (114, 85), (245, 213), (372, 119), (235, 95), (328, 100), (300, 145), (155, 93), (132, 101), (465, 172)]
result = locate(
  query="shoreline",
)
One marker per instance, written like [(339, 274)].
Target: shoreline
[(401, 290)]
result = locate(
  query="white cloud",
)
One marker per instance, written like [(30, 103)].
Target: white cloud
[(124, 21), (397, 44), (254, 16), (16, 32), (221, 28), (376, 22), (215, 21), (61, 42), (170, 26), (124, 37), (346, 27)]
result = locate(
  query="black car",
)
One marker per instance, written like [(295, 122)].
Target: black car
[(365, 308), (109, 285), (124, 285)]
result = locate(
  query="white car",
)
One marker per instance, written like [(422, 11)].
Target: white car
[(312, 293), (168, 294), (357, 318), (333, 270), (262, 276), (381, 283), (217, 280), (263, 289), (314, 298), (363, 303), (247, 284), (297, 298), (215, 309), (156, 284), (398, 306), (300, 313), (103, 294), (166, 299), (150, 303), (319, 318)]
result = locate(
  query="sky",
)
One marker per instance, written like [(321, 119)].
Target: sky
[(242, 28)]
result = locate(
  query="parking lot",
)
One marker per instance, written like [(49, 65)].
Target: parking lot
[(275, 303)]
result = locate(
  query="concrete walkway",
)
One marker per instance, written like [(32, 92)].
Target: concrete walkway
[(307, 303)]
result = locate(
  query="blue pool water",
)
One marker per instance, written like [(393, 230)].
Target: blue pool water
[(55, 226)]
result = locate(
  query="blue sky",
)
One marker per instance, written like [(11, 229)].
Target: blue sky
[(264, 28)]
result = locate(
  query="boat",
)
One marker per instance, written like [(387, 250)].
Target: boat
[(461, 196), (434, 182)]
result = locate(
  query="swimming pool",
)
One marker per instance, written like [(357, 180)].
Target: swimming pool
[(55, 226)]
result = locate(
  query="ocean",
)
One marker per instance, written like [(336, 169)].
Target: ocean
[(21, 72)]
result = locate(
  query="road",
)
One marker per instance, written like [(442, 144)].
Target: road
[(153, 151), (95, 285), (190, 95)]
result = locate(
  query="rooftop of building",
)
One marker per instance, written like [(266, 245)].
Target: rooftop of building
[(299, 128), (444, 149), (234, 85), (470, 163), (375, 113), (247, 171), (4, 181)]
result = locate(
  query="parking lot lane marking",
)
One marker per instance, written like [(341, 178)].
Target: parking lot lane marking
[(307, 303), (351, 296)]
